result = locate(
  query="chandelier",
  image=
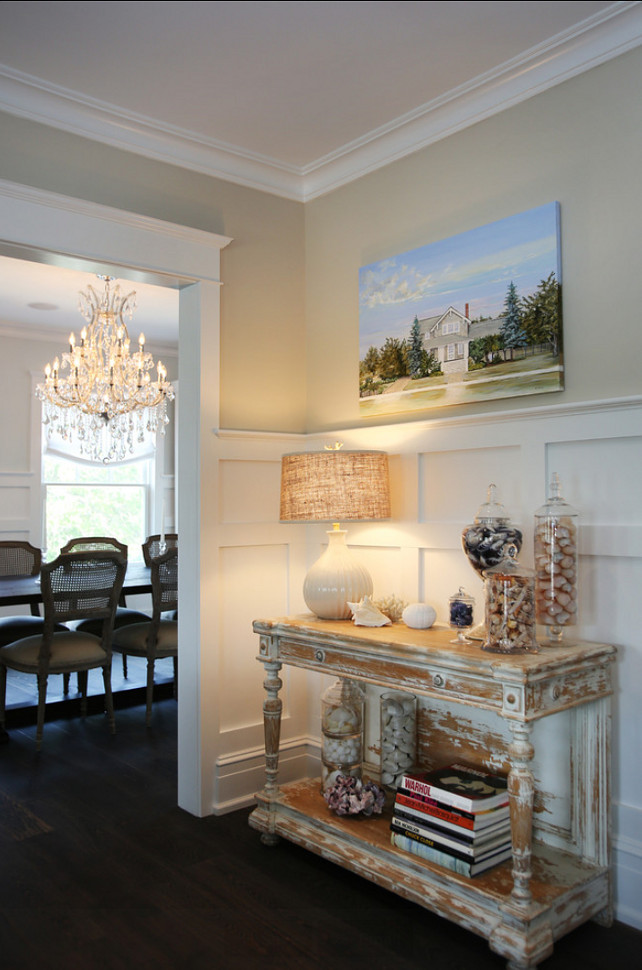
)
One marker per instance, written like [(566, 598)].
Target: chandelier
[(106, 400)]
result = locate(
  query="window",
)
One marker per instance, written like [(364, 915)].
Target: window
[(83, 498)]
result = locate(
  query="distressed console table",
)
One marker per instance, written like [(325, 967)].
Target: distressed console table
[(552, 885)]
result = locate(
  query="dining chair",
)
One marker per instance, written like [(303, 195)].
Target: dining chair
[(159, 636), (18, 558), (124, 615), (74, 586), (153, 546)]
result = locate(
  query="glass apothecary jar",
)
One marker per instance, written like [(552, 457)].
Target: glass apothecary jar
[(484, 540), (510, 606), (398, 712), (555, 549), (341, 731), (460, 613)]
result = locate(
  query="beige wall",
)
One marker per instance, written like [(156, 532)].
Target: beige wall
[(579, 144), (262, 334)]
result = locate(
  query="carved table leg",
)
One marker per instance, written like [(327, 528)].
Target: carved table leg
[(272, 707), (521, 789), (526, 942)]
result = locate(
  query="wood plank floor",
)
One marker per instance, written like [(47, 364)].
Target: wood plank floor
[(100, 869), (22, 690)]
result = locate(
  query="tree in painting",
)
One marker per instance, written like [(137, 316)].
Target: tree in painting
[(512, 332), (540, 314)]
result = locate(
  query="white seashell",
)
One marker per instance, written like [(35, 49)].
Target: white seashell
[(419, 616), (365, 613), (394, 709)]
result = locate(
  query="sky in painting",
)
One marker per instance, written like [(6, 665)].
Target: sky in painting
[(475, 267)]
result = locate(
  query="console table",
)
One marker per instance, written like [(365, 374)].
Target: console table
[(552, 885)]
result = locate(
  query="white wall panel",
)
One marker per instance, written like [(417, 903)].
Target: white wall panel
[(599, 475), (252, 585), (456, 482), (15, 502), (249, 490)]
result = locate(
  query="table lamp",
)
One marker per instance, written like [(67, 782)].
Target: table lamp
[(329, 486)]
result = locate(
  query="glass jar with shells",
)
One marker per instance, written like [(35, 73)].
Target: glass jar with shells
[(398, 711), (342, 706), (555, 549)]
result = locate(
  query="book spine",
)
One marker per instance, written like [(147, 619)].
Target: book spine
[(453, 799), (431, 854), (488, 835), (432, 839), (455, 816), (431, 807)]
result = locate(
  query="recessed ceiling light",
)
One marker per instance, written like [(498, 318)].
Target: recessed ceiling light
[(43, 306)]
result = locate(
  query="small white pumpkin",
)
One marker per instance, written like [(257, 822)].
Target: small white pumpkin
[(419, 616)]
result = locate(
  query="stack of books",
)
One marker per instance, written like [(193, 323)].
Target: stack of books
[(456, 816)]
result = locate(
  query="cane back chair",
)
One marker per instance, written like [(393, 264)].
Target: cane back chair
[(124, 615), (74, 586), (18, 558), (159, 636), (153, 546)]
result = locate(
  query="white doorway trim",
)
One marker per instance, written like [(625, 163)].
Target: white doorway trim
[(45, 226)]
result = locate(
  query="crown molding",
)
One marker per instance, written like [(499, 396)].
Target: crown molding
[(608, 34)]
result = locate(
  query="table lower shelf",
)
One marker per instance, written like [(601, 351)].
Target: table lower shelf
[(566, 891)]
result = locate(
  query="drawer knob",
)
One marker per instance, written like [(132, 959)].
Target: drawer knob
[(438, 680), (319, 656)]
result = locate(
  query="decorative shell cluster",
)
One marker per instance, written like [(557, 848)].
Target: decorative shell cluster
[(391, 606)]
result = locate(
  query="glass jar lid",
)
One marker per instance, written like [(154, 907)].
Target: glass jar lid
[(555, 506), (491, 510)]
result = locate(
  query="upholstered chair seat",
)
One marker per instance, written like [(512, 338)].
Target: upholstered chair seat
[(68, 649), (133, 639), (16, 627)]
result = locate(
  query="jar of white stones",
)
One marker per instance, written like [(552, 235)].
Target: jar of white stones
[(341, 732), (398, 736), (555, 551)]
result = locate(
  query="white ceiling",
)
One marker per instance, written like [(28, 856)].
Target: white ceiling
[(291, 97)]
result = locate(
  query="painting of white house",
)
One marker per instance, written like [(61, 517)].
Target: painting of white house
[(471, 318)]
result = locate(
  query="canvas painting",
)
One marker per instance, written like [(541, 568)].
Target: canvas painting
[(471, 318)]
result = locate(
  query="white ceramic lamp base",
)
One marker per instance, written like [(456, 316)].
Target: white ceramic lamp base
[(336, 579)]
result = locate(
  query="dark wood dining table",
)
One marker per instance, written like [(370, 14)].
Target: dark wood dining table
[(25, 590)]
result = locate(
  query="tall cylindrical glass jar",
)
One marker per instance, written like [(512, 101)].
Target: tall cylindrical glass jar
[(398, 711), (555, 549), (341, 732)]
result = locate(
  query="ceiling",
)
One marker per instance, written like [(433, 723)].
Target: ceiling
[(293, 98)]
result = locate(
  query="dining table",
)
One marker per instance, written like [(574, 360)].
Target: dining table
[(25, 590)]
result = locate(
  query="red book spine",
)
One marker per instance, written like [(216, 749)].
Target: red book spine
[(431, 807)]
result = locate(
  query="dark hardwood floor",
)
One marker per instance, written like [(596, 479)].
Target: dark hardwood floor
[(100, 869)]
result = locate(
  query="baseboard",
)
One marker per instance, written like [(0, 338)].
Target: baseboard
[(239, 775)]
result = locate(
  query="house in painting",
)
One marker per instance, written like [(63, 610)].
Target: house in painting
[(448, 336)]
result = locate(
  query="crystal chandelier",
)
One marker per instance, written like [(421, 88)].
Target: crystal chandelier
[(107, 400)]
